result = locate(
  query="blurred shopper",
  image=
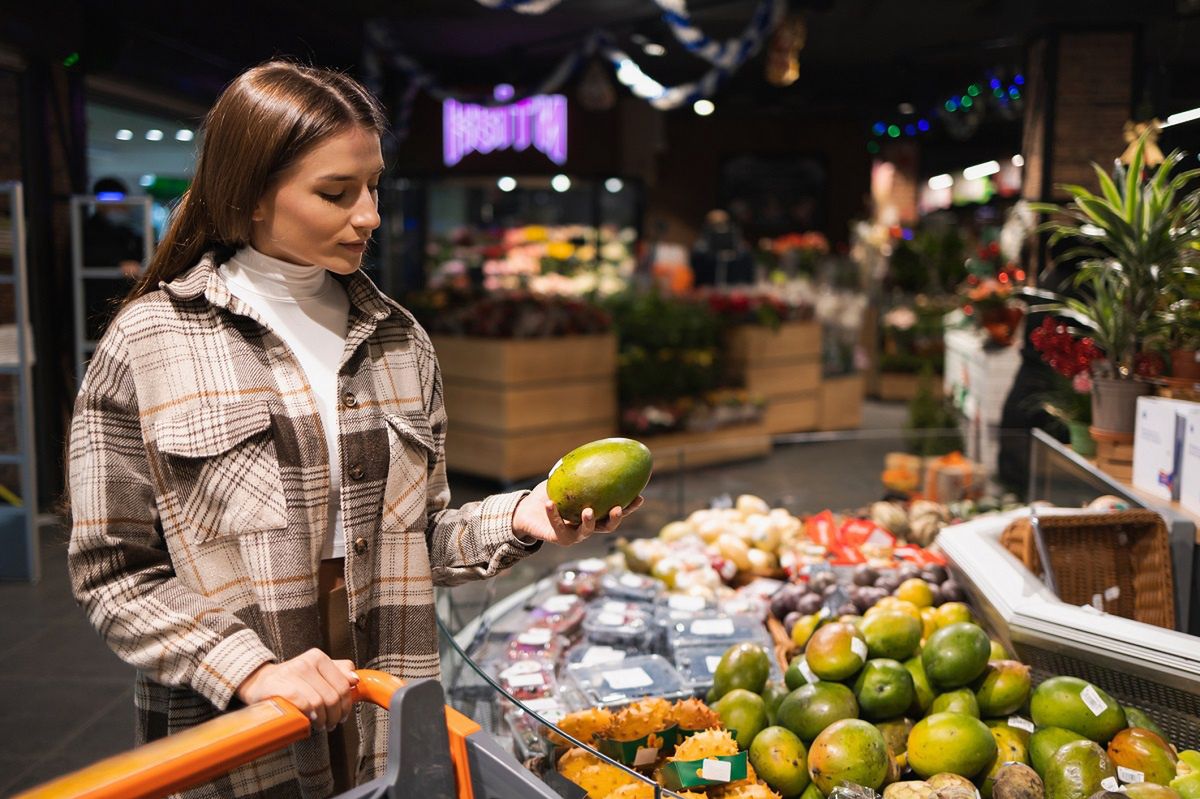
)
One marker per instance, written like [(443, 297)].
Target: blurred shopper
[(108, 239), (257, 471), (720, 257)]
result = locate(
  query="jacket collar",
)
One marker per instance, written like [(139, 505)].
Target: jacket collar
[(203, 279)]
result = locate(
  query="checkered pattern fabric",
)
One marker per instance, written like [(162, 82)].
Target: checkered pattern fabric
[(198, 475)]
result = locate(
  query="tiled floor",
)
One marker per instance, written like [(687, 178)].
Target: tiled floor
[(66, 700)]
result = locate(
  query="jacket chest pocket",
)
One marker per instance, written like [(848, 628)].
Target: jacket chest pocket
[(410, 451), (220, 463)]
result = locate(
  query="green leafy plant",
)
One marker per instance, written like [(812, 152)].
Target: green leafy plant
[(932, 423), (1137, 238)]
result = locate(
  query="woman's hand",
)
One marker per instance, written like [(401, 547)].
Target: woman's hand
[(315, 683), (537, 517)]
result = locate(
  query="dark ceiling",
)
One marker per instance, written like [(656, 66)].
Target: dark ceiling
[(863, 57)]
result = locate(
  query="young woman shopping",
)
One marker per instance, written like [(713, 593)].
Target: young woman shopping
[(257, 471)]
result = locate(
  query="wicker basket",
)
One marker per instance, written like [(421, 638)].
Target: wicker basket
[(784, 648), (1124, 557)]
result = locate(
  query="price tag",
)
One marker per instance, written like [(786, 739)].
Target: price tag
[(1016, 722), (1129, 775), (1092, 699), (646, 755), (686, 603), (807, 671), (631, 581), (716, 770), (859, 647), (1112, 594), (538, 636), (624, 679), (712, 627), (614, 607), (560, 604), (610, 619), (525, 680), (548, 708), (712, 661), (1109, 784), (590, 565), (601, 654)]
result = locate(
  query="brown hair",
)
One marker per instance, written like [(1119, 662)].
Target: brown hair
[(265, 121)]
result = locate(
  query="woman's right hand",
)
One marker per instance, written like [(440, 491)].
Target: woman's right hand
[(317, 685)]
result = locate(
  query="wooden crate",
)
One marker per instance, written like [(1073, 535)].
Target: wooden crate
[(517, 406), (755, 345), (792, 414), (674, 451), (841, 402), (783, 367), (1114, 453), (784, 378), (902, 386)]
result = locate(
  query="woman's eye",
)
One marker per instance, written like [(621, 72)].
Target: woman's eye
[(333, 198)]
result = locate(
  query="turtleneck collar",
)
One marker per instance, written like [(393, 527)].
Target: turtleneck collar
[(275, 278)]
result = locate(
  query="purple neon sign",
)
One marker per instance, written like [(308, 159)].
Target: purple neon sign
[(539, 121)]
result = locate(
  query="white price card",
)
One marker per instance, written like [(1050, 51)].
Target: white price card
[(590, 565), (859, 647), (532, 680), (712, 661), (596, 655), (1110, 784), (548, 708), (625, 679), (1092, 699), (559, 604), (1129, 775), (712, 627), (686, 603), (631, 581), (612, 606), (537, 636), (1016, 722), (609, 619), (646, 755), (716, 770)]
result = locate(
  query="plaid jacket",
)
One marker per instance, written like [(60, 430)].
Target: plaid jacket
[(198, 473)]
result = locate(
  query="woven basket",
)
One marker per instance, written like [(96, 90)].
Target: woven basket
[(784, 648), (1091, 554)]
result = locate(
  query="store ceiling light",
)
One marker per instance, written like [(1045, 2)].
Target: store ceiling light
[(147, 180), (1018, 160), (154, 134), (981, 170), (183, 134), (939, 182), (703, 107), (614, 185), (1181, 117), (124, 134), (506, 183), (654, 49), (560, 183)]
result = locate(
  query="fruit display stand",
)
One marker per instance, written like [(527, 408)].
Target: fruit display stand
[(516, 405), (784, 367)]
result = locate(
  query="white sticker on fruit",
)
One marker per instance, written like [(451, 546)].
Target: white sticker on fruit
[(601, 654), (631, 581), (1016, 722), (624, 679), (859, 647), (559, 604), (538, 636), (646, 755), (1093, 701), (610, 619), (525, 680), (807, 671), (1110, 784), (685, 602), (712, 627), (716, 770), (1112, 594), (1129, 775)]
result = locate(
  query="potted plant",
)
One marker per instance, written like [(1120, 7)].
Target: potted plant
[(1135, 238), (1070, 402)]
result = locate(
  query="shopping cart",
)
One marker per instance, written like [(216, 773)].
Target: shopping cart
[(471, 764)]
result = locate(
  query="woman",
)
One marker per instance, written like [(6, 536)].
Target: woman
[(256, 465)]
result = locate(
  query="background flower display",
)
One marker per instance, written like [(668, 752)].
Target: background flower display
[(513, 314), (913, 336), (792, 254)]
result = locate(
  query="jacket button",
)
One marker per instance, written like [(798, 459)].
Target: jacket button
[(349, 400), (356, 472), (360, 546)]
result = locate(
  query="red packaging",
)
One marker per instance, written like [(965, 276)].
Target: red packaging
[(822, 529)]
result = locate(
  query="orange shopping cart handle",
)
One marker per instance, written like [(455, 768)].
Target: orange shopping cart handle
[(204, 752)]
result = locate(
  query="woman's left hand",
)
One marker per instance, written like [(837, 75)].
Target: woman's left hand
[(537, 518)]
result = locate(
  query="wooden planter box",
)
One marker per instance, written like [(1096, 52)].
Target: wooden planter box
[(784, 367), (841, 402), (517, 406), (688, 450)]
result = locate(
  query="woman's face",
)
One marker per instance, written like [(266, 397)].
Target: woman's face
[(322, 210)]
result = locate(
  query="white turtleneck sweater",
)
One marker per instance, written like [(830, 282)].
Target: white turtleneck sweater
[(309, 310)]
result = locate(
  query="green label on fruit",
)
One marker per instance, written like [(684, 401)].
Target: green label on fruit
[(629, 752), (683, 774)]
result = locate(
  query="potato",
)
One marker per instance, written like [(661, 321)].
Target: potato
[(1018, 781)]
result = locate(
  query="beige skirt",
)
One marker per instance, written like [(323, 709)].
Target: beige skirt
[(336, 635)]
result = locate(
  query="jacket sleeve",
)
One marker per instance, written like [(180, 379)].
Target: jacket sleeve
[(120, 568), (475, 541)]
